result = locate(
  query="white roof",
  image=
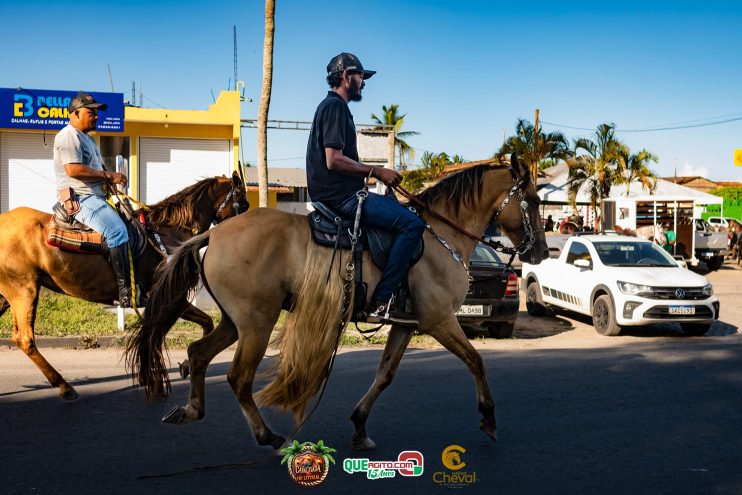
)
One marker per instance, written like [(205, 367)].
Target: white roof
[(557, 191)]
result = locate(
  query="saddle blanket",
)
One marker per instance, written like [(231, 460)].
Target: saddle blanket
[(77, 241)]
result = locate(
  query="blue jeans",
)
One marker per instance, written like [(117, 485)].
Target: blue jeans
[(387, 213), (101, 217)]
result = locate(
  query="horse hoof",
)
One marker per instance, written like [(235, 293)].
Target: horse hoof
[(69, 394), (364, 444), (185, 369), (175, 416), (489, 429)]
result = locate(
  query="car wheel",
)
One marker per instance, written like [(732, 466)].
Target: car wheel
[(534, 303), (695, 329), (502, 330), (604, 317), (715, 263)]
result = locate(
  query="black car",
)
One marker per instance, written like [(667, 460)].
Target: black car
[(491, 305)]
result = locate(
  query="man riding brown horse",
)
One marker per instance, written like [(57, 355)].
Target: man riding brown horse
[(81, 179)]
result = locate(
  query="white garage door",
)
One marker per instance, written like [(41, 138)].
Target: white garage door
[(167, 166), (27, 171)]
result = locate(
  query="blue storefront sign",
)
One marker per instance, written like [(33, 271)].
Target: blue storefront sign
[(22, 108)]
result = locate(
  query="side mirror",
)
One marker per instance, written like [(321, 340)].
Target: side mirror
[(584, 264)]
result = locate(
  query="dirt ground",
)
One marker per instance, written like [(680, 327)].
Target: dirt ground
[(572, 330)]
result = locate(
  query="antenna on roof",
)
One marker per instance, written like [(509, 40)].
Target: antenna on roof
[(110, 78), (234, 33)]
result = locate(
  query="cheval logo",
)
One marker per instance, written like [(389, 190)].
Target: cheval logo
[(308, 463), (408, 463), (451, 459)]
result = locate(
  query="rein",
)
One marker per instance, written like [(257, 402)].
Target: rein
[(528, 237)]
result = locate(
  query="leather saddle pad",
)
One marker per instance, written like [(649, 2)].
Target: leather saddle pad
[(324, 223)]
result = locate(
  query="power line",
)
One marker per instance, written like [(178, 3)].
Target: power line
[(151, 101), (654, 129)]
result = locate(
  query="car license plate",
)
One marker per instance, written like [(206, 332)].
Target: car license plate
[(471, 310), (682, 310)]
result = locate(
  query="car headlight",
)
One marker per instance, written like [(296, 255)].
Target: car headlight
[(629, 288), (708, 290)]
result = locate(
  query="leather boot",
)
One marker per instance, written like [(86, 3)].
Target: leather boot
[(120, 262)]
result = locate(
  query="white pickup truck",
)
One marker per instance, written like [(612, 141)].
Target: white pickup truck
[(620, 281)]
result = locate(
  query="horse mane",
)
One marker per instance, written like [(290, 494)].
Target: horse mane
[(459, 188), (181, 209)]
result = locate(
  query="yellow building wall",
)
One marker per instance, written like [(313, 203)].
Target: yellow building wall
[(254, 199), (220, 121)]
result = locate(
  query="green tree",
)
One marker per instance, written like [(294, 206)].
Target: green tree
[(532, 147), (636, 167), (432, 167), (599, 166), (390, 117)]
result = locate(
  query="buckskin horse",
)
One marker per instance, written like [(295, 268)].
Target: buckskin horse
[(264, 258), (27, 263)]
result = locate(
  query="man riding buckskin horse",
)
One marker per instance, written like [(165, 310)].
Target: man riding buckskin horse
[(79, 171), (335, 175)]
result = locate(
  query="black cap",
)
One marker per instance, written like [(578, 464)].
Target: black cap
[(348, 61), (85, 100)]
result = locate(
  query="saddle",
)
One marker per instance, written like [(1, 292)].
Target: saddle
[(329, 229), (66, 233)]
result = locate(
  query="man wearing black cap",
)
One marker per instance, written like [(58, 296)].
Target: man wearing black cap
[(78, 165), (334, 175)]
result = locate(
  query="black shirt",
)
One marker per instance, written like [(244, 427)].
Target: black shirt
[(332, 127)]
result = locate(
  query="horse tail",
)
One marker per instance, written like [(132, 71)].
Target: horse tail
[(168, 298), (310, 334)]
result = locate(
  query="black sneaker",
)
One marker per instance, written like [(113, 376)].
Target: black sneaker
[(386, 313)]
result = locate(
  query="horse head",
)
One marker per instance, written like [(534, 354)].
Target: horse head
[(522, 222), (231, 200)]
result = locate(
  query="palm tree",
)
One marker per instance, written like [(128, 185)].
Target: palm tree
[(265, 101), (533, 147), (598, 168), (390, 117), (636, 167), (433, 166)]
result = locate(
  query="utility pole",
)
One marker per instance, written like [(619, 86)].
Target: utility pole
[(234, 32), (534, 171)]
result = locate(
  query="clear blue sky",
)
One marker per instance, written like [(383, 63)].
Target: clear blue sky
[(462, 71)]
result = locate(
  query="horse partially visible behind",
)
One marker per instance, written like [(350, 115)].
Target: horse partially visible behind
[(262, 259), (28, 263)]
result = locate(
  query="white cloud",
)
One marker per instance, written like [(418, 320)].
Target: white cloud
[(687, 169)]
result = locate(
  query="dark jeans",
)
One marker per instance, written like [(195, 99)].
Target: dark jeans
[(384, 212)]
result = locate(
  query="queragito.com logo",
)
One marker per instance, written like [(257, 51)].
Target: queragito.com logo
[(408, 463)]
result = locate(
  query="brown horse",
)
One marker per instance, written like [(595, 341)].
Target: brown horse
[(27, 263), (262, 259)]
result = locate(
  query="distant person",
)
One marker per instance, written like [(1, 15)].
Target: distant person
[(549, 227), (80, 177), (670, 238)]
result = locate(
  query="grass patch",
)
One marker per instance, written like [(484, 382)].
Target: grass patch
[(60, 316)]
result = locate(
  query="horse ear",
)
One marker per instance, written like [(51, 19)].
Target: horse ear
[(518, 166), (236, 180)]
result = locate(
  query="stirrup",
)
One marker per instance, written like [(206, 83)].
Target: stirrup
[(385, 313)]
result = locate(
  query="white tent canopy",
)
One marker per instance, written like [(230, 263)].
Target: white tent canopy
[(556, 190)]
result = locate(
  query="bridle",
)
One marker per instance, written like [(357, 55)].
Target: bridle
[(527, 239), (235, 205)]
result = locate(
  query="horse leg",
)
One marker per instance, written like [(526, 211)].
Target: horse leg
[(253, 341), (451, 336), (396, 344), (4, 305), (192, 313), (23, 303), (200, 354)]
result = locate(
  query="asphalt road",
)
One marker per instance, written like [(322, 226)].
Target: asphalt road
[(660, 417), (652, 412)]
